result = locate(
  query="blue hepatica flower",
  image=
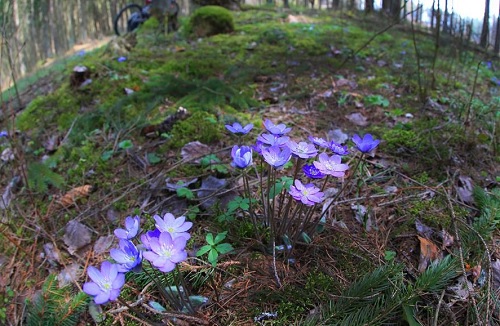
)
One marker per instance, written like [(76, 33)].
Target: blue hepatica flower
[(302, 149), (278, 130), (242, 156), (106, 284), (176, 227), (131, 228), (236, 128), (4, 133), (166, 252), (365, 145), (273, 140), (337, 148), (495, 80), (308, 194), (276, 156), (121, 59), (331, 165), (312, 172), (146, 238), (319, 141), (127, 257)]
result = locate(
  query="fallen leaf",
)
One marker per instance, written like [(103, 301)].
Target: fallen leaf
[(194, 151), (358, 119), (423, 229), (495, 272), (70, 274), (208, 191), (338, 136), (447, 238), (76, 236), (7, 194), (429, 252), (51, 254), (103, 244), (464, 189), (74, 194), (7, 155)]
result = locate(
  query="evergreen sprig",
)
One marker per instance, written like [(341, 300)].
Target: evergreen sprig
[(55, 306)]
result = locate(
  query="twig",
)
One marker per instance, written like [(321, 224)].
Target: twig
[(461, 254), (436, 315), (181, 316)]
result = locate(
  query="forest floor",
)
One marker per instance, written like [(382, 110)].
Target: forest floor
[(410, 238)]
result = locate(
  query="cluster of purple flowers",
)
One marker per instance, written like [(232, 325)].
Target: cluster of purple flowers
[(277, 149), (164, 247)]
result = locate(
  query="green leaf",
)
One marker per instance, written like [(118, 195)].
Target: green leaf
[(203, 250), (220, 237), (107, 155), (220, 168), (209, 160), (210, 239), (197, 300), (156, 306), (185, 193), (306, 237), (389, 255), (125, 144), (212, 256), (153, 158), (224, 248)]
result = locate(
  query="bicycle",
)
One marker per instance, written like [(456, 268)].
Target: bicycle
[(133, 15)]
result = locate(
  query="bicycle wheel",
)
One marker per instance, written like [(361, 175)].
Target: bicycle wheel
[(128, 19)]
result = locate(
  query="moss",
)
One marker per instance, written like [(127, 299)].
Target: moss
[(396, 139), (201, 126), (210, 20)]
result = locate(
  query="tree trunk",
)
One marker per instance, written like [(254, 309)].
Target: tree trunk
[(433, 13), (445, 18), (497, 36), (368, 6), (486, 26), (396, 9)]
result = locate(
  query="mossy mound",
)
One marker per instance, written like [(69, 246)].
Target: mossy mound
[(210, 20)]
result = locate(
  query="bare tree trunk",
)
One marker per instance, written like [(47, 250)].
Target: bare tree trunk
[(485, 30), (368, 6), (433, 13), (497, 36), (445, 19)]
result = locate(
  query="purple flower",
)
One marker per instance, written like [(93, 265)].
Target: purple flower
[(365, 145), (331, 165), (302, 149), (4, 133), (273, 140), (106, 283), (236, 128), (127, 257), (318, 141), (177, 227), (337, 148), (131, 228), (312, 172), (276, 157), (166, 252), (121, 59), (259, 146), (308, 194), (146, 238), (277, 130), (242, 156)]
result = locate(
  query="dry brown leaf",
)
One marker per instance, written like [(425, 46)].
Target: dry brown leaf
[(74, 194), (429, 252)]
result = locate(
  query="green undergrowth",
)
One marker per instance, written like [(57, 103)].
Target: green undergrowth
[(218, 80)]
